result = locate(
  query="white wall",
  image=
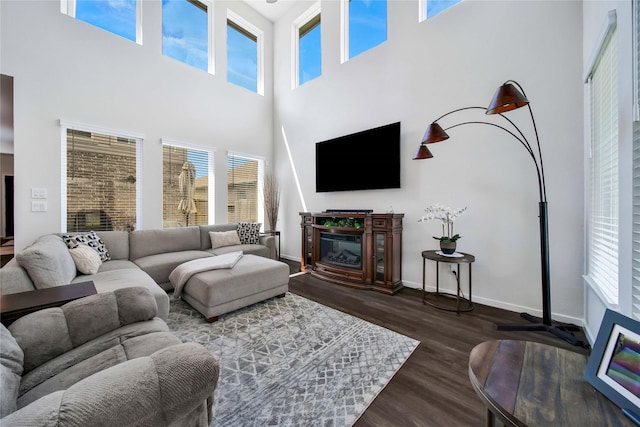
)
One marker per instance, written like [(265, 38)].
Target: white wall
[(66, 69), (594, 16), (423, 70)]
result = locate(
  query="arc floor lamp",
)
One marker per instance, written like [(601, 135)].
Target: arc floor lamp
[(511, 96)]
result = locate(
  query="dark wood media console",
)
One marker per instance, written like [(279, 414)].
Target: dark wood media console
[(359, 250)]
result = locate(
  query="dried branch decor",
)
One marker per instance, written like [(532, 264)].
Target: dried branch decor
[(271, 191)]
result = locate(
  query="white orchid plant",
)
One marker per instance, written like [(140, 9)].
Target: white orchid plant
[(447, 216)]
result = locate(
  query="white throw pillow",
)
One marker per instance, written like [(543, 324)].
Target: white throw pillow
[(87, 259), (224, 238)]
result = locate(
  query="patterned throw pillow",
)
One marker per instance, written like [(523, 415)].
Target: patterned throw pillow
[(90, 239), (249, 232)]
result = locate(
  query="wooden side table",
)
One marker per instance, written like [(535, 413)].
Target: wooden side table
[(523, 383), (14, 306), (430, 297)]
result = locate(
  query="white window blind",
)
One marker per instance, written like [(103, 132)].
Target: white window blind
[(181, 205), (603, 226), (101, 181), (244, 178), (635, 310)]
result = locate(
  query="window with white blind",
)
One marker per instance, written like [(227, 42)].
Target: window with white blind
[(187, 185), (244, 188), (101, 181), (635, 309), (602, 249)]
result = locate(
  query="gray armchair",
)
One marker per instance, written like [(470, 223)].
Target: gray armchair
[(103, 360)]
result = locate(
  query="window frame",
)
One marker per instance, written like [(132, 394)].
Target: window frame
[(64, 126), (608, 32), (422, 9), (208, 4), (248, 28), (68, 7), (307, 17), (211, 153), (260, 183), (345, 30), (635, 241)]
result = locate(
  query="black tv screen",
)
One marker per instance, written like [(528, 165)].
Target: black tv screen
[(367, 160)]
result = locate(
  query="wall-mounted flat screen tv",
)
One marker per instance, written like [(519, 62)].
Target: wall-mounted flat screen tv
[(367, 160)]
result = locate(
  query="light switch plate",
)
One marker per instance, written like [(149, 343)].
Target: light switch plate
[(38, 206), (38, 193)]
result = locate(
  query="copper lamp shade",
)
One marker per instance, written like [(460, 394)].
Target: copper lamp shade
[(422, 153), (434, 133), (507, 98)]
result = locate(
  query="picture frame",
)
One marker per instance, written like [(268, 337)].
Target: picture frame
[(613, 367)]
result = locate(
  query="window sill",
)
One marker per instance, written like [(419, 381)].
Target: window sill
[(607, 300)]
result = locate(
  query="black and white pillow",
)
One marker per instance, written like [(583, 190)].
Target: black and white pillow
[(249, 232), (90, 239)]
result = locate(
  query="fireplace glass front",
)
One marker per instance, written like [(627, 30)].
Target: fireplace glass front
[(344, 250)]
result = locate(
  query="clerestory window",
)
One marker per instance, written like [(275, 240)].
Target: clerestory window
[(121, 17), (430, 8), (308, 47), (245, 53), (364, 26), (187, 32)]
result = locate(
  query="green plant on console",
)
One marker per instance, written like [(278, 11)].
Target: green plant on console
[(446, 239), (342, 222)]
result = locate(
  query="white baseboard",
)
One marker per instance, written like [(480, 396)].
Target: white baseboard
[(505, 306), (488, 301)]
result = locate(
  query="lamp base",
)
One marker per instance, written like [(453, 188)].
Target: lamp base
[(561, 330)]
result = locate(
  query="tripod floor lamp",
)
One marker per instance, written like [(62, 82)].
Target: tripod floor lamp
[(510, 96)]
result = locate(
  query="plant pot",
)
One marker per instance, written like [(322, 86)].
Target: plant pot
[(447, 247)]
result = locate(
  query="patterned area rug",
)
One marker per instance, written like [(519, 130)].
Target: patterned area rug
[(293, 362)]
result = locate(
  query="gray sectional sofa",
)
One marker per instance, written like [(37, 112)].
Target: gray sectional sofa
[(142, 258), (103, 360)]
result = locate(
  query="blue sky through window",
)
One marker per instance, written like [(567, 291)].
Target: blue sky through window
[(367, 25), (242, 60), (436, 6), (185, 32), (116, 16), (310, 55)]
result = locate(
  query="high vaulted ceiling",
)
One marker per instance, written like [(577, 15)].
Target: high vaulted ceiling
[(272, 11)]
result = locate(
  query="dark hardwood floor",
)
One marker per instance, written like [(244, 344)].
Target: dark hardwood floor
[(432, 388)]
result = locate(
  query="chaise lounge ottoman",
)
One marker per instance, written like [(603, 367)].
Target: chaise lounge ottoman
[(251, 280)]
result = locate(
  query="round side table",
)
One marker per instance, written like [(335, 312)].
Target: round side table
[(431, 298)]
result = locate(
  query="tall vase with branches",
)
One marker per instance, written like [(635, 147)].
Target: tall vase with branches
[(271, 192)]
